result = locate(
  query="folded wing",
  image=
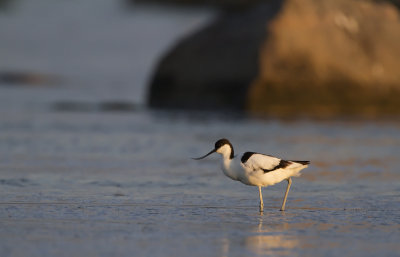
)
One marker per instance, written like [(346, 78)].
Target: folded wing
[(256, 161)]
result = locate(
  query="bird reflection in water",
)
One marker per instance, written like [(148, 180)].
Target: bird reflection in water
[(267, 241)]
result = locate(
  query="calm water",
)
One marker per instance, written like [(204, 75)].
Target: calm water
[(97, 184), (83, 181)]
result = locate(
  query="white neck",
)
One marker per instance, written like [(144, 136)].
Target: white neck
[(225, 151), (228, 168)]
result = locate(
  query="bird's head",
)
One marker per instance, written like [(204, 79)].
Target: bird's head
[(222, 146)]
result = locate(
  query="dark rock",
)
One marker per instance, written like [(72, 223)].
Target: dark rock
[(330, 57), (214, 67), (311, 57), (26, 78), (4, 4), (108, 106)]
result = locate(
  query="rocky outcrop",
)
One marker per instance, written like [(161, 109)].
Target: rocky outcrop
[(214, 67), (306, 56), (329, 57)]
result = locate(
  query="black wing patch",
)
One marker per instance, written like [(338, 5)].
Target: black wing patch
[(302, 162), (246, 156), (282, 164)]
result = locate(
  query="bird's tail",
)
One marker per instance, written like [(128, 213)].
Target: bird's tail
[(302, 162)]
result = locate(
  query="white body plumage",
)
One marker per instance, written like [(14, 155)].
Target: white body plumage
[(256, 169), (252, 174)]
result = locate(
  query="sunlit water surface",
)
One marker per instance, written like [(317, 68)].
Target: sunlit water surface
[(96, 184)]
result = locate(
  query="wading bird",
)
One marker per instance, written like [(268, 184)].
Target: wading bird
[(256, 169)]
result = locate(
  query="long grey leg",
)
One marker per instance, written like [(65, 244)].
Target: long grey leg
[(261, 200), (289, 180)]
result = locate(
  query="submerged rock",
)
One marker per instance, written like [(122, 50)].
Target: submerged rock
[(8, 78), (304, 56)]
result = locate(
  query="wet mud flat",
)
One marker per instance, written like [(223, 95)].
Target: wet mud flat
[(102, 184)]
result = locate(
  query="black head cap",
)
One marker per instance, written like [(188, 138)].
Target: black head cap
[(223, 142)]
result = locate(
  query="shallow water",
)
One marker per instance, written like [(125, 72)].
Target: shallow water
[(100, 184)]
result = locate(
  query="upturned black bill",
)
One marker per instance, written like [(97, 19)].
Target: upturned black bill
[(213, 151)]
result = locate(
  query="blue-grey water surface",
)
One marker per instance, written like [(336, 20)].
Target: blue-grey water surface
[(101, 184), (79, 179)]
